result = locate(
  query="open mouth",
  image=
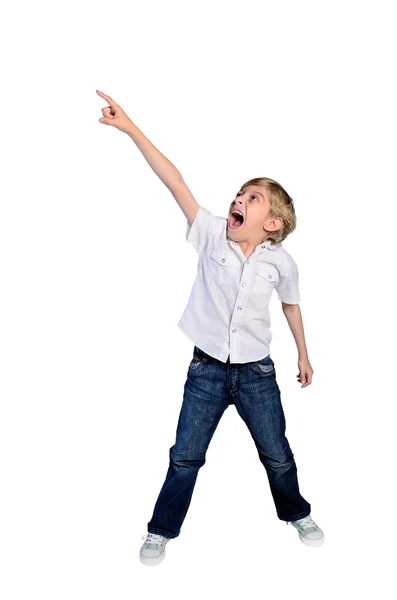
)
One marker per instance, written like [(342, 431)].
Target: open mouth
[(236, 220)]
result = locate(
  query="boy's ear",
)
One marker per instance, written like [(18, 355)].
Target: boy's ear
[(274, 224)]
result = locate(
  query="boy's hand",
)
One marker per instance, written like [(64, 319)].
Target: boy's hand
[(114, 114), (305, 372)]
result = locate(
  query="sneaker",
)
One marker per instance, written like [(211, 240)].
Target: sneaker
[(309, 532), (153, 549)]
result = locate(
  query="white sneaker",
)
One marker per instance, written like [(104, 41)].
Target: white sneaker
[(153, 549), (309, 532)]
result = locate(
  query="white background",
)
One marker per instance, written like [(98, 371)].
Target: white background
[(96, 272)]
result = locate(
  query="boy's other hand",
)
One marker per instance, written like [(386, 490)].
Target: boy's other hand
[(305, 372), (114, 114)]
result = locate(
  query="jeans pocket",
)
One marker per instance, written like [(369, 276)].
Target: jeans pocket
[(198, 360), (265, 367)]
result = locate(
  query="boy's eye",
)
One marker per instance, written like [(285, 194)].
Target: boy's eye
[(252, 196)]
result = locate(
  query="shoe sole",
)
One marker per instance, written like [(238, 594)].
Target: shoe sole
[(152, 561), (310, 542)]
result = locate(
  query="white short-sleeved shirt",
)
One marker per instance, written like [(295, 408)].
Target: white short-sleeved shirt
[(227, 312)]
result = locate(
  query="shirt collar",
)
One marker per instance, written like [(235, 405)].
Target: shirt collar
[(263, 246)]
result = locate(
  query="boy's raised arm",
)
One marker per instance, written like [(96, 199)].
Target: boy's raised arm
[(115, 116)]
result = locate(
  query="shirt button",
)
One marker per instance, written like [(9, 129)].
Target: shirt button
[(270, 276), (239, 307), (248, 262), (244, 284), (234, 330), (223, 259)]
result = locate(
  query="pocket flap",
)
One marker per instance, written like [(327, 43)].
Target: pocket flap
[(226, 259), (268, 272)]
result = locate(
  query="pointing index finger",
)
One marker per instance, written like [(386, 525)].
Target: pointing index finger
[(107, 98)]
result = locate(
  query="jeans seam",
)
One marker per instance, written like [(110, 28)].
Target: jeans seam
[(302, 515), (157, 531)]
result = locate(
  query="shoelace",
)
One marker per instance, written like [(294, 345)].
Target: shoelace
[(153, 538), (307, 522)]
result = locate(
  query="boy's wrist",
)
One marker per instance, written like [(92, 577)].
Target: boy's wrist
[(131, 129)]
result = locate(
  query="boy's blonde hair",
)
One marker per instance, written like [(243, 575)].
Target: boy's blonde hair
[(281, 205)]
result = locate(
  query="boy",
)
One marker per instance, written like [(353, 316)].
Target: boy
[(241, 261)]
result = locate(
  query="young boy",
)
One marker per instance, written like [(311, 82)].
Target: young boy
[(241, 261)]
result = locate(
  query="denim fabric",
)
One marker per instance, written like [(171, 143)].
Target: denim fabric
[(211, 386)]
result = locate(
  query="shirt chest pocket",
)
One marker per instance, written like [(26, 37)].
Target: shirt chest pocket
[(223, 267), (266, 278)]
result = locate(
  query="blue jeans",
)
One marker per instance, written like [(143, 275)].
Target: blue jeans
[(210, 387)]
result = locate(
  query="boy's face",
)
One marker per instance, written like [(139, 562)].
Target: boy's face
[(254, 204)]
